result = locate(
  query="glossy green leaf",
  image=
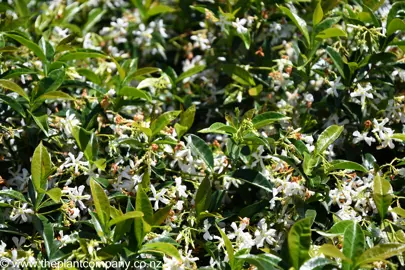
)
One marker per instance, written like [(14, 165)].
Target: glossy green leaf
[(161, 247), (13, 194), (327, 137), (299, 242), (144, 205), (318, 14), (264, 261), (317, 263), (340, 164), (10, 85), (192, 71), (253, 177), (331, 32), (201, 149), (268, 118), (158, 9), (54, 95), (298, 21), (239, 74), (203, 196), (382, 194), (379, 253), (55, 194), (332, 251), (81, 55), (163, 120), (353, 244), (95, 16), (134, 93), (160, 216), (41, 168), (219, 128), (337, 60), (29, 44), (101, 202), (14, 104), (228, 247), (124, 217)]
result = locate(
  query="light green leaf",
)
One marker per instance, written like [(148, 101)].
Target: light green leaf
[(201, 149), (54, 95), (29, 44), (318, 14), (332, 251), (268, 118), (10, 85), (379, 253), (134, 93), (299, 242), (41, 120), (298, 21), (40, 168), (81, 55), (192, 71), (55, 194), (161, 247), (255, 91), (13, 194), (399, 211), (162, 121), (14, 104), (228, 247), (21, 8), (160, 216), (124, 217), (340, 164), (353, 244), (101, 202), (219, 128), (399, 136), (327, 137), (95, 16), (382, 195), (264, 261), (159, 9), (144, 205), (239, 74), (331, 32), (317, 263), (395, 25)]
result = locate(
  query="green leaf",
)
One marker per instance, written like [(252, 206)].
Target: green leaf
[(13, 194), (90, 75), (228, 247), (41, 119), (55, 194), (253, 177), (298, 21), (255, 91), (134, 93), (10, 85), (124, 217), (52, 82), (318, 14), (268, 118), (382, 195), (144, 205), (21, 7), (159, 9), (101, 202), (95, 16), (309, 163), (399, 211), (299, 242), (187, 117), (333, 251), (331, 32), (353, 244), (264, 261), (161, 247), (160, 216), (239, 74), (379, 253), (192, 71), (14, 104), (81, 55), (45, 229), (219, 128), (395, 25), (337, 60), (327, 137), (30, 45), (203, 196), (40, 168), (54, 95), (317, 263), (340, 164), (47, 48), (399, 136), (162, 121), (101, 163), (87, 142), (396, 8), (201, 149)]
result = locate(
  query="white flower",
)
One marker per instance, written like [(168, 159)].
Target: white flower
[(207, 236), (69, 123), (239, 25), (387, 138), (200, 41), (379, 127), (73, 213), (71, 161), (23, 213), (332, 90), (158, 197), (181, 189), (263, 234), (76, 195), (362, 93), (362, 137)]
